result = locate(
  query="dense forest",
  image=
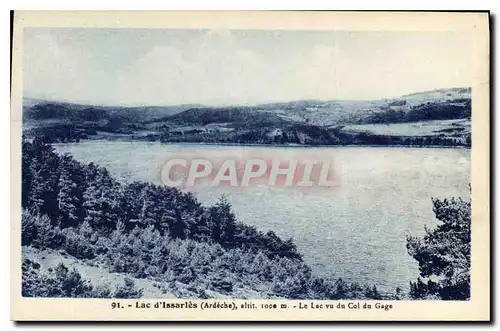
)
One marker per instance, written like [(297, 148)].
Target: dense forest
[(153, 232), (160, 233)]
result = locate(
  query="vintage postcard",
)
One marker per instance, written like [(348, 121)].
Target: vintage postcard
[(250, 166)]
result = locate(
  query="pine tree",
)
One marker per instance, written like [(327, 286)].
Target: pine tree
[(26, 174), (46, 234), (223, 223), (68, 198), (101, 200), (443, 254), (43, 166), (86, 230), (29, 229)]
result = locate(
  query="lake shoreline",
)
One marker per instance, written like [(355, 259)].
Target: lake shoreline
[(357, 233), (265, 145)]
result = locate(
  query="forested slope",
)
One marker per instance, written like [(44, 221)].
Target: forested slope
[(158, 233)]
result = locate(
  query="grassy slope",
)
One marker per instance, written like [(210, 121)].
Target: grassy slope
[(99, 275), (423, 128)]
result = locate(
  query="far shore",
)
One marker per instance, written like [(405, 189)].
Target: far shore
[(128, 139)]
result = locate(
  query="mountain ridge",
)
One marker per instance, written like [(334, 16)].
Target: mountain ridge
[(30, 101), (297, 122)]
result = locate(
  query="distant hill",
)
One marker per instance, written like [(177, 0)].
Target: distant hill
[(441, 94), (38, 109), (237, 116), (299, 122)]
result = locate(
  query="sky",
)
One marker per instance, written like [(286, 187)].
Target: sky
[(220, 67)]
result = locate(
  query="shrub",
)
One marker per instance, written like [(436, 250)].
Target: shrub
[(128, 290), (39, 231), (60, 282), (77, 245)]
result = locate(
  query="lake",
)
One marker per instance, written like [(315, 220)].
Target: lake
[(356, 231)]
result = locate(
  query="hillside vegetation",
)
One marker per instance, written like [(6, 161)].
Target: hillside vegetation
[(305, 122), (158, 241), (156, 233)]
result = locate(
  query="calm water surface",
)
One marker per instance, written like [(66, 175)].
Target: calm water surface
[(356, 231)]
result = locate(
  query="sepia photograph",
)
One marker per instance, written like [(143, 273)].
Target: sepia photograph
[(224, 167)]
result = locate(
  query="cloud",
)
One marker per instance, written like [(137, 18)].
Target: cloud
[(224, 67), (55, 72), (212, 72), (48, 67)]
